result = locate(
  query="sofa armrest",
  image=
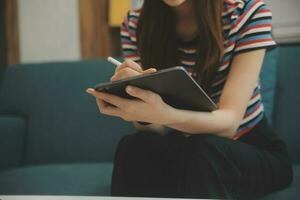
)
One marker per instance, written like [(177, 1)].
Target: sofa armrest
[(12, 141)]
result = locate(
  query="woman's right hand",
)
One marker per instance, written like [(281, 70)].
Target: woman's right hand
[(128, 69)]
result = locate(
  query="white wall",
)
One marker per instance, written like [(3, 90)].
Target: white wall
[(286, 20), (49, 30)]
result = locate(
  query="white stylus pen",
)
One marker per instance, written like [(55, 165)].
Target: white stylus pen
[(113, 61)]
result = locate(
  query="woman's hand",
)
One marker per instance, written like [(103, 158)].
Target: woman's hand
[(125, 70), (128, 69), (147, 107)]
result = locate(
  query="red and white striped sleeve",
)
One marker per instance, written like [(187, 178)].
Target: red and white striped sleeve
[(128, 37), (254, 28)]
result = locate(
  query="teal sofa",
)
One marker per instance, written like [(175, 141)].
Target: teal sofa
[(54, 141)]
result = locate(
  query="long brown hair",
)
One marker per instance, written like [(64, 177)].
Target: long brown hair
[(157, 43)]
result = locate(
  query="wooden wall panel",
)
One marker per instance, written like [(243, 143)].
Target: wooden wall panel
[(9, 33), (12, 32), (2, 37), (94, 29)]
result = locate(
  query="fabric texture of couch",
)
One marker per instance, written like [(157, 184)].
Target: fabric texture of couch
[(53, 141)]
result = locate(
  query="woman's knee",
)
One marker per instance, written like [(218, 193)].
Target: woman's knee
[(140, 138), (140, 143), (207, 139), (211, 144)]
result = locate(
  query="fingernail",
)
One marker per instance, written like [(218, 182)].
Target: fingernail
[(129, 89), (90, 91)]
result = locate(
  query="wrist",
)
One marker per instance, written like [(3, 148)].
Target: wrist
[(174, 116)]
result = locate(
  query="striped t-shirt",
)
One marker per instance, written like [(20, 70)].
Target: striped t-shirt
[(247, 26)]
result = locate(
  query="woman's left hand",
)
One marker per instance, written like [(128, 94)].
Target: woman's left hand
[(148, 107)]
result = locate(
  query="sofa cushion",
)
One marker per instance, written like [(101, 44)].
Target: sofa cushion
[(292, 192), (12, 141), (268, 78), (287, 115), (68, 179), (64, 123)]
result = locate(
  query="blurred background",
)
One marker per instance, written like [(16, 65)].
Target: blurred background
[(62, 30), (50, 129)]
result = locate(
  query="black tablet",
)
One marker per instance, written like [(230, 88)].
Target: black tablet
[(176, 87)]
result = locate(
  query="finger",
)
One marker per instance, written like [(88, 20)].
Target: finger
[(128, 72), (102, 104), (96, 94), (90, 91), (129, 64), (145, 95), (107, 108), (111, 111), (111, 99), (149, 71), (125, 73)]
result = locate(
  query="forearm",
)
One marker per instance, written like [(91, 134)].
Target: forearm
[(220, 122)]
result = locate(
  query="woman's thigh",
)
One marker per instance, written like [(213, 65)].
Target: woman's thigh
[(141, 166), (200, 166), (233, 168)]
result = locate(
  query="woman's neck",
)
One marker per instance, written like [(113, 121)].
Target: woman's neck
[(186, 23), (185, 11)]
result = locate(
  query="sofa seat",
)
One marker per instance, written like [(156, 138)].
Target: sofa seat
[(58, 179), (87, 179), (292, 192)]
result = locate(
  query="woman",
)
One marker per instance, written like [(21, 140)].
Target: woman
[(229, 153)]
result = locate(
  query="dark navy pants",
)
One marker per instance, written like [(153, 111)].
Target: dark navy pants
[(201, 166)]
